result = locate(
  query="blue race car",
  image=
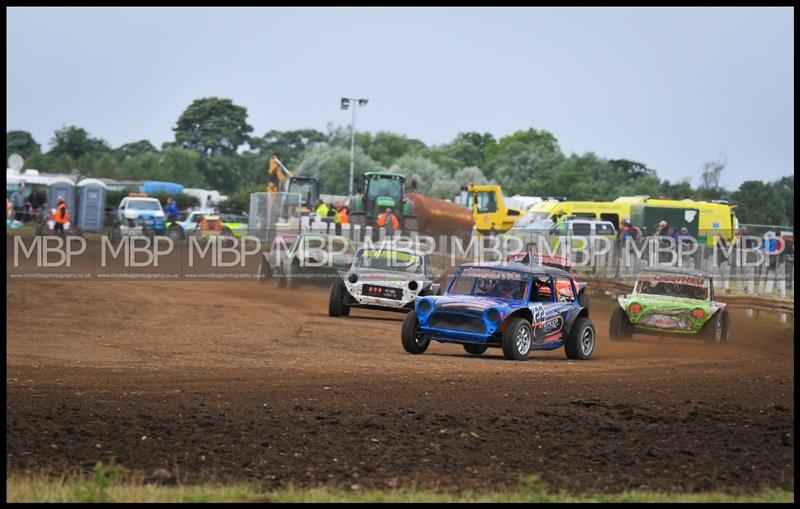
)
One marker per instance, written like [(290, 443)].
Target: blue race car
[(514, 306)]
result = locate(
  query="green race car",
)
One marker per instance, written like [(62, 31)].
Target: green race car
[(671, 302)]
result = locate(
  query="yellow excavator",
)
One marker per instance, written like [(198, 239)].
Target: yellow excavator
[(280, 179)]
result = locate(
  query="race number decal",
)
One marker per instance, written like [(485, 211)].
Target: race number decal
[(538, 313)]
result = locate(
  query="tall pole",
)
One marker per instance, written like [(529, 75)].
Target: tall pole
[(353, 146)]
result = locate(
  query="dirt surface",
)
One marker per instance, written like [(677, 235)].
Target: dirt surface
[(224, 381)]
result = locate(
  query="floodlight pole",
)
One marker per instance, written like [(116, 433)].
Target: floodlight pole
[(346, 103), (352, 146)]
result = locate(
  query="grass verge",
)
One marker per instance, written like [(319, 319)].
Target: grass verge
[(107, 485)]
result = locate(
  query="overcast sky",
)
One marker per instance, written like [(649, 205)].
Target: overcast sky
[(670, 87)]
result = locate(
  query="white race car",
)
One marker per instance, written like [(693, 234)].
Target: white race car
[(385, 278)]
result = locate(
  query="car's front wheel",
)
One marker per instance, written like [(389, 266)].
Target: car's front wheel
[(413, 341), (581, 340), (336, 305), (517, 339), (620, 327), (475, 349), (717, 328)]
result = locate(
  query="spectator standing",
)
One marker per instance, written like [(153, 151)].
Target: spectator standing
[(171, 209), (18, 202), (36, 201), (61, 216), (388, 222)]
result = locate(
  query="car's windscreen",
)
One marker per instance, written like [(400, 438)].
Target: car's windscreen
[(395, 261), (501, 284), (674, 286), (144, 205)]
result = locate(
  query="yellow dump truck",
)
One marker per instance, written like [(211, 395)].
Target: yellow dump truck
[(488, 210)]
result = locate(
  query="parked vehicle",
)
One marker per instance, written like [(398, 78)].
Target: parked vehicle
[(512, 306), (139, 215), (180, 230)]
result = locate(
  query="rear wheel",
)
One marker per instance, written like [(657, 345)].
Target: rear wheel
[(336, 305), (358, 218), (410, 224), (620, 327), (413, 341), (175, 232), (517, 339), (581, 340), (475, 349)]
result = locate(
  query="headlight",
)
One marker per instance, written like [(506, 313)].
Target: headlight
[(425, 306), (352, 278), (698, 313), (493, 315), (635, 308), (413, 286)]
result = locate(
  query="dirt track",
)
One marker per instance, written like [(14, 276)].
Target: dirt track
[(240, 381)]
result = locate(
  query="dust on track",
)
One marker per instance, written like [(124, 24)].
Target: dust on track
[(241, 381)]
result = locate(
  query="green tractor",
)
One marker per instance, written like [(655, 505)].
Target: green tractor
[(381, 191)]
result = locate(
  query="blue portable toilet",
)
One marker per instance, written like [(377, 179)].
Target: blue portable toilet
[(61, 186), (154, 186), (91, 204)]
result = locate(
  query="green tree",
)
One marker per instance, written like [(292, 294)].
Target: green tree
[(630, 169), (130, 150), (386, 147), (542, 139), (784, 190), (287, 145), (448, 187), (751, 199), (418, 170), (75, 142), (22, 143), (331, 165), (525, 169), (213, 127)]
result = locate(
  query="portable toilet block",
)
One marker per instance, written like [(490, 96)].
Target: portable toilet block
[(91, 204), (61, 186)]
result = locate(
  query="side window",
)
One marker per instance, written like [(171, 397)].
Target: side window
[(560, 229), (486, 202), (582, 229), (564, 287), (612, 218), (604, 229), (541, 291)]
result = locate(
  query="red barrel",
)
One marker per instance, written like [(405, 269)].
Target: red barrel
[(435, 216)]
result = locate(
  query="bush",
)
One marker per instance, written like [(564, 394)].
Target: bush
[(239, 202)]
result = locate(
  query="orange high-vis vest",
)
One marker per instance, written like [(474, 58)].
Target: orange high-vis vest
[(61, 215), (343, 216), (382, 221)]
